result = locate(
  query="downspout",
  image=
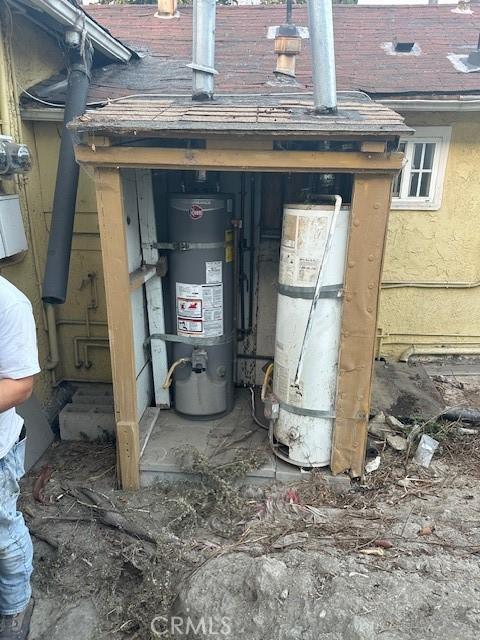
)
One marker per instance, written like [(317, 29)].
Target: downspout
[(320, 15), (80, 56), (203, 50)]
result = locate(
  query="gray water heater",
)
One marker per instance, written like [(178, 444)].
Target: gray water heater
[(201, 285)]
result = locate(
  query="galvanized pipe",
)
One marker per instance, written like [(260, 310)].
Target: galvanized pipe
[(203, 50), (323, 55)]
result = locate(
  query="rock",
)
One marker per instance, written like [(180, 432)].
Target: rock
[(378, 426), (262, 597), (268, 578), (399, 443), (359, 629), (373, 465), (393, 422), (59, 623)]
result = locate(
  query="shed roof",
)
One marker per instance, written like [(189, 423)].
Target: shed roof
[(276, 116), (245, 58)]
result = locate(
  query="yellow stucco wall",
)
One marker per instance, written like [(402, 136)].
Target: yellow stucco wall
[(27, 56), (437, 246)]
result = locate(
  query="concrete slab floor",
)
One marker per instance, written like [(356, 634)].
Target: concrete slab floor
[(219, 440)]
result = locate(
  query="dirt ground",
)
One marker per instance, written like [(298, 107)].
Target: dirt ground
[(396, 557)]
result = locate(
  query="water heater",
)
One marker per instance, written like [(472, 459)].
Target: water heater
[(201, 289), (312, 264)]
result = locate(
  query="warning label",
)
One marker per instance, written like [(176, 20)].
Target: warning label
[(184, 325), (200, 309), (189, 307), (213, 272)]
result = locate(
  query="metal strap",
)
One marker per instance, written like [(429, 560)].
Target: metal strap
[(299, 411), (188, 246), (193, 340), (329, 291)]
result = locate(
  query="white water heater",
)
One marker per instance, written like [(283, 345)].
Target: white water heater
[(312, 265)]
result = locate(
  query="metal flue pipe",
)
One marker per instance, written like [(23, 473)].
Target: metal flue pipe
[(203, 53), (323, 55)]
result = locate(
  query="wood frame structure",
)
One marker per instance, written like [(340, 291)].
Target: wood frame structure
[(374, 169)]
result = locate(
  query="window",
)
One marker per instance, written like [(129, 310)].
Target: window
[(420, 183)]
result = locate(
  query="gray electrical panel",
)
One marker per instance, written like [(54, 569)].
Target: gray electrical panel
[(201, 288), (12, 233)]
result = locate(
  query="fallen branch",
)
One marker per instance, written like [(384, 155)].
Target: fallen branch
[(112, 518)]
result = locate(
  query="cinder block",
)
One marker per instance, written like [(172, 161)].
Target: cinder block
[(84, 422), (93, 400)]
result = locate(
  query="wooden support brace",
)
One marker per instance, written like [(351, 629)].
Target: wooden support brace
[(368, 228), (240, 159), (117, 289), (128, 448)]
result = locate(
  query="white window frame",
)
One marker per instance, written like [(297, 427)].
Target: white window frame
[(440, 136)]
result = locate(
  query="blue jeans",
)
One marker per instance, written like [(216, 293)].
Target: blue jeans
[(16, 551)]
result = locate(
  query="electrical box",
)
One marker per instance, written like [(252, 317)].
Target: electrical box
[(12, 232)]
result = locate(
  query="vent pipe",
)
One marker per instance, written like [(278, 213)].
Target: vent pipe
[(167, 9), (79, 63), (320, 15), (288, 44), (203, 52)]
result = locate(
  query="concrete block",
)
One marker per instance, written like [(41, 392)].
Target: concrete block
[(92, 400), (289, 473), (84, 422)]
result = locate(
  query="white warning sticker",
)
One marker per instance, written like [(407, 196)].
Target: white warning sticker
[(213, 272), (185, 325), (200, 309), (213, 296)]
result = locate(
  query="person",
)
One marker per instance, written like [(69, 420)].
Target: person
[(18, 366)]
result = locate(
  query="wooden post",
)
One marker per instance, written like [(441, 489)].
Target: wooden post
[(117, 288), (368, 227)]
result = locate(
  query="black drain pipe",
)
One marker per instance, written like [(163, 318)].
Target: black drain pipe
[(80, 56)]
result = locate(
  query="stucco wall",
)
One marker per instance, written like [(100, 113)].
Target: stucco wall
[(437, 246), (22, 62), (84, 297)]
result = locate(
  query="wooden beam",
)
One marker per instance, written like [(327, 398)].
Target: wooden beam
[(368, 228), (226, 142), (239, 159), (373, 146), (117, 290)]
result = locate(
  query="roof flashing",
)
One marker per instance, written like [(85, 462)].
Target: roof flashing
[(463, 63)]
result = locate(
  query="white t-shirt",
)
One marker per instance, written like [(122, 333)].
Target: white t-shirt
[(18, 353)]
